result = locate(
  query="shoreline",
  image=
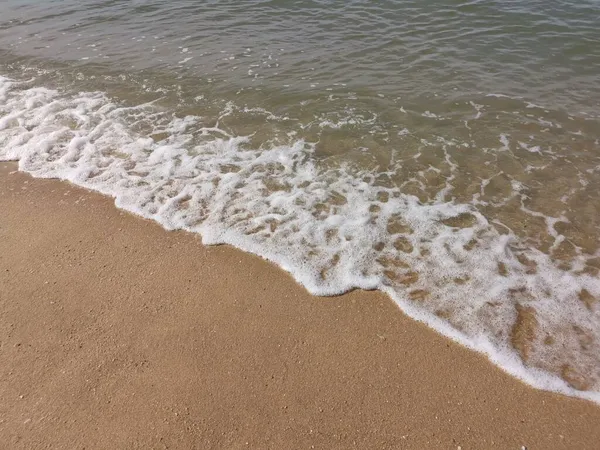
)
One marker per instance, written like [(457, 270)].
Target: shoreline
[(118, 333), (465, 278)]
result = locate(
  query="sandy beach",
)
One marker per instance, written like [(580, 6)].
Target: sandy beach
[(115, 333)]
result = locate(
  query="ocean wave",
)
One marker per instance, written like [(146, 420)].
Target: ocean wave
[(335, 227)]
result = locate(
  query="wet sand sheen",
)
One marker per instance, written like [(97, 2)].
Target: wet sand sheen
[(118, 334)]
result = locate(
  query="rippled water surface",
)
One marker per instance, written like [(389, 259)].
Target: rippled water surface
[(445, 152)]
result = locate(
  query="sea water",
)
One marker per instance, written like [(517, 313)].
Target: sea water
[(444, 152)]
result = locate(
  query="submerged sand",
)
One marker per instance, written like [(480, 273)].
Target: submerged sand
[(115, 333)]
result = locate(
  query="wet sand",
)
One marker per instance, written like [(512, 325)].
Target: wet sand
[(115, 333)]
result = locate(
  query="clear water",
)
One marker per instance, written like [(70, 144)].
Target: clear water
[(445, 152)]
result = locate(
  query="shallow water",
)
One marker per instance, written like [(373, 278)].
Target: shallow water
[(445, 152)]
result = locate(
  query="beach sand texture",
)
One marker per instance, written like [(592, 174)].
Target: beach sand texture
[(115, 333)]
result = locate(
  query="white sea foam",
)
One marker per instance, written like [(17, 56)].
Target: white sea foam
[(333, 229)]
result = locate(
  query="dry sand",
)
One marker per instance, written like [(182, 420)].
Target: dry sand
[(117, 334)]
